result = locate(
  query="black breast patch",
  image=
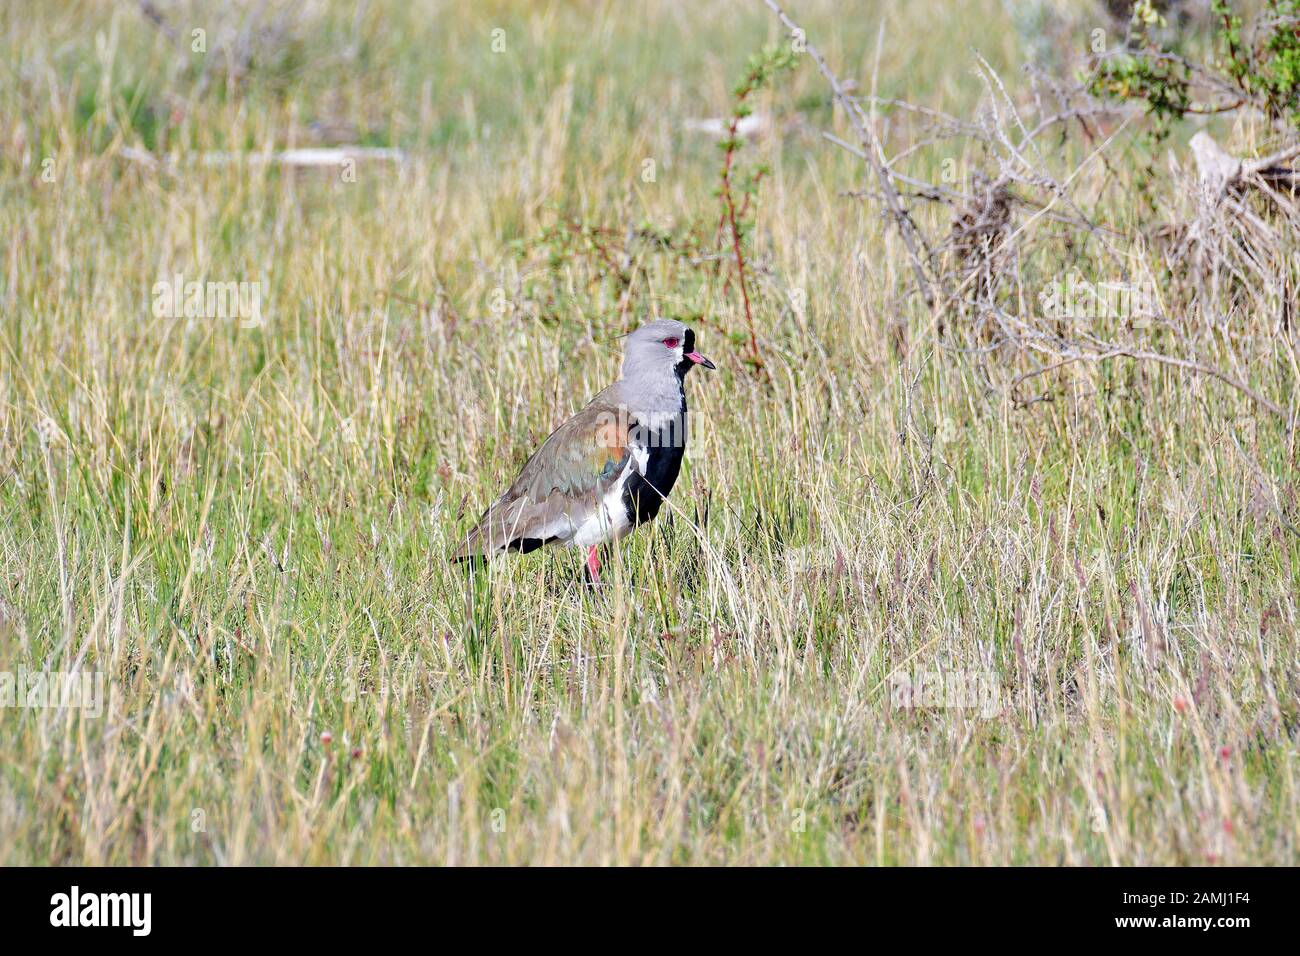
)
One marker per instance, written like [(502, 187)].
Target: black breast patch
[(643, 494)]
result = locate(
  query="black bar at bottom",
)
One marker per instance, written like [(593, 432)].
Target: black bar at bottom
[(338, 906)]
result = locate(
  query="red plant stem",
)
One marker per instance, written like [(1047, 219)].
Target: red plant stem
[(735, 239), (744, 290)]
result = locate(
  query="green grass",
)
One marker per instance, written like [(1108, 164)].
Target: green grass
[(244, 529)]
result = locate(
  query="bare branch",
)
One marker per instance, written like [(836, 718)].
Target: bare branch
[(872, 153)]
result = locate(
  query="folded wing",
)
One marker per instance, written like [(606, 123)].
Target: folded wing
[(559, 488)]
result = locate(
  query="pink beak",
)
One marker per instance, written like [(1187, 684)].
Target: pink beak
[(699, 359)]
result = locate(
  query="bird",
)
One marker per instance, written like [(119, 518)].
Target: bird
[(607, 470)]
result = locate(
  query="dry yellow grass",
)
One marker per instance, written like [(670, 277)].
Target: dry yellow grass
[(243, 528)]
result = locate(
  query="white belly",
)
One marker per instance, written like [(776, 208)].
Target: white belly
[(610, 521)]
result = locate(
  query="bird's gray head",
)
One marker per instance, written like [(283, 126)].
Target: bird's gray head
[(661, 350)]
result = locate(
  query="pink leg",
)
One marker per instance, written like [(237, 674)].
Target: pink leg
[(593, 565)]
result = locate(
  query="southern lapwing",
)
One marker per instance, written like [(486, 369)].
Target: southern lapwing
[(609, 467)]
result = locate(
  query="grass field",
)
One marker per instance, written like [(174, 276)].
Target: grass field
[(243, 526)]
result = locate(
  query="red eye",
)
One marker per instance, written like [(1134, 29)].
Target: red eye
[(670, 343)]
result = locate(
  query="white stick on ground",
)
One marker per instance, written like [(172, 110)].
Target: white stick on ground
[(309, 157)]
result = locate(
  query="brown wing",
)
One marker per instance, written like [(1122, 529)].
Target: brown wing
[(559, 488)]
